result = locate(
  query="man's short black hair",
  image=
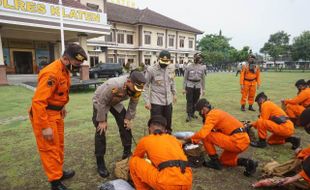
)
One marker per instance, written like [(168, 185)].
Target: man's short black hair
[(300, 82), (305, 117), (201, 104), (261, 95), (157, 120)]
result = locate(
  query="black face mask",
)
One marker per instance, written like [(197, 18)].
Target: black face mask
[(72, 68), (130, 92), (163, 65)]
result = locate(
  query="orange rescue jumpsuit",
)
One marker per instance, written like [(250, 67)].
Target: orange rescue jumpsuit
[(52, 89), (159, 148), (279, 131), (217, 130), (295, 106), (249, 80), (305, 153)]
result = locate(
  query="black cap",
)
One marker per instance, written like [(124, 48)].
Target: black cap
[(300, 82), (76, 52), (260, 95), (201, 104), (306, 166), (305, 117), (164, 57), (138, 79), (157, 119)]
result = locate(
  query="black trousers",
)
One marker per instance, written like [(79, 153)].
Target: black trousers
[(100, 140), (192, 96), (165, 111)]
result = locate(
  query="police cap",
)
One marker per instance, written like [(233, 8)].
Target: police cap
[(260, 95), (76, 52), (164, 57), (138, 79), (300, 82), (201, 104), (305, 117), (157, 119)]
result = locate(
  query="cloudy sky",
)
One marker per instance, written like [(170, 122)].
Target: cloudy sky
[(247, 22)]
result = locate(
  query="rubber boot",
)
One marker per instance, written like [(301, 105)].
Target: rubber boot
[(250, 166), (295, 142), (101, 168), (251, 108), (259, 144), (242, 107), (213, 163), (57, 185)]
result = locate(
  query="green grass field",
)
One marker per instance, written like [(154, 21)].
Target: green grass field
[(20, 166)]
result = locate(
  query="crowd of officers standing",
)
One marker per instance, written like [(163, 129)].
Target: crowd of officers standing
[(169, 168)]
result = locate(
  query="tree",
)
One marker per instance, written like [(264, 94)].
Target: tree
[(277, 45), (301, 47)]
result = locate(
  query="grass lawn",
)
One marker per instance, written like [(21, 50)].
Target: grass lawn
[(20, 166)]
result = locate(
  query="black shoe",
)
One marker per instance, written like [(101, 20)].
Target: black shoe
[(213, 163), (295, 142), (127, 152), (250, 168), (188, 119), (259, 144), (67, 174), (101, 168), (242, 107), (57, 185), (251, 108)]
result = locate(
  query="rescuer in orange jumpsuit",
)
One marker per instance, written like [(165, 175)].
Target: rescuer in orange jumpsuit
[(168, 169), (47, 113), (273, 119), (225, 131), (249, 81), (302, 154), (294, 107)]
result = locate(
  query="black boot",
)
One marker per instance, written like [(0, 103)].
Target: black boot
[(67, 174), (101, 168), (213, 163), (251, 108), (242, 107), (189, 118), (127, 152), (57, 185), (259, 144), (250, 166), (295, 142)]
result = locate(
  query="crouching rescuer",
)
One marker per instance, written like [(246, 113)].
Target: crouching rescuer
[(222, 130), (168, 168)]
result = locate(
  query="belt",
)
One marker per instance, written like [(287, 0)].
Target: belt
[(53, 107), (238, 130), (194, 80), (250, 79), (174, 163)]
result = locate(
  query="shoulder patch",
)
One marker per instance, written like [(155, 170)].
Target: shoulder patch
[(51, 81)]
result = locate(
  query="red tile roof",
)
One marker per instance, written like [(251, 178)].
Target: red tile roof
[(119, 13)]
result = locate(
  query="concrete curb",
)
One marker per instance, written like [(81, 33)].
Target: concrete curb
[(23, 85)]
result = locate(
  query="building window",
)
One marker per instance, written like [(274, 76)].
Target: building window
[(110, 60), (121, 61), (129, 39), (190, 44), (171, 41), (181, 43), (108, 38), (94, 60), (130, 60), (147, 39), (160, 40), (147, 61), (120, 38)]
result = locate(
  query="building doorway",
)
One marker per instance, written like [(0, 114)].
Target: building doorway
[(23, 62)]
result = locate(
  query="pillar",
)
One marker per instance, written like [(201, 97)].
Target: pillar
[(84, 71), (3, 77)]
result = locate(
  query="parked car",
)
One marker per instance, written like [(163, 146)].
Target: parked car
[(106, 70)]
